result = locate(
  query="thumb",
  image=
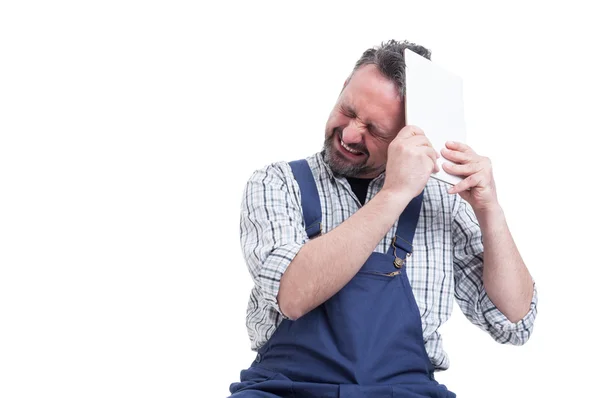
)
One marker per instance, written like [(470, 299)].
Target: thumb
[(466, 195)]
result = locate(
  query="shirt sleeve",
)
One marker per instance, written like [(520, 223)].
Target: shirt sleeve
[(271, 228), (468, 280)]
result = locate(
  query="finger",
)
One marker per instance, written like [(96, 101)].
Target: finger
[(471, 181), (433, 155), (416, 130), (415, 142), (466, 195), (423, 141), (461, 169), (409, 131), (457, 156), (459, 146), (419, 140)]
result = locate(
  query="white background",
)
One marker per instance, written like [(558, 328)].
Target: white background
[(128, 130)]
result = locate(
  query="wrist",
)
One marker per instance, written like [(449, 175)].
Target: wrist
[(396, 200), (490, 215)]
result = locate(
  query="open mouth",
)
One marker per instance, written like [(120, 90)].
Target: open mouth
[(349, 152)]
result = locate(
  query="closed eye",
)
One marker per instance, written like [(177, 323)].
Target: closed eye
[(347, 112), (378, 134)]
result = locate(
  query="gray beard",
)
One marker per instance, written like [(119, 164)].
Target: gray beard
[(339, 165)]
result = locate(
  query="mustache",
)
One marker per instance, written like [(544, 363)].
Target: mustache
[(357, 147)]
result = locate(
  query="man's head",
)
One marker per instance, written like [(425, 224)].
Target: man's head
[(369, 111)]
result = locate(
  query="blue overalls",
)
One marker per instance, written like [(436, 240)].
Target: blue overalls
[(365, 341)]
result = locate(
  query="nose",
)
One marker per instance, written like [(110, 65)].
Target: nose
[(352, 133)]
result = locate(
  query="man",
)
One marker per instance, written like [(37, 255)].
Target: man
[(356, 253)]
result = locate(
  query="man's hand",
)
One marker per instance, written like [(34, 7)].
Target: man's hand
[(478, 188), (506, 279), (411, 160)]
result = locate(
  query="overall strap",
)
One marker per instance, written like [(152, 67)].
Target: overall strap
[(407, 226), (311, 204)]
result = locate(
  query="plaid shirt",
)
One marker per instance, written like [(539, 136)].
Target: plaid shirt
[(447, 258)]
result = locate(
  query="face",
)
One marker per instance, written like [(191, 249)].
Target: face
[(367, 116)]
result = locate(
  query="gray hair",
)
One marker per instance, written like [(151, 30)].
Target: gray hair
[(389, 59)]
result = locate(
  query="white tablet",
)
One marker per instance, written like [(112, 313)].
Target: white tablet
[(434, 102)]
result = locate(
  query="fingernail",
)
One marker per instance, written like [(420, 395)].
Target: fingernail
[(450, 142)]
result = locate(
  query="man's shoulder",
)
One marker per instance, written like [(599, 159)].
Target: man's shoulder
[(275, 182), (281, 170)]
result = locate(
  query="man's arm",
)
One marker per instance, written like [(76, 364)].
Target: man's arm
[(293, 274), (470, 290), (505, 276), (493, 285), (326, 264)]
